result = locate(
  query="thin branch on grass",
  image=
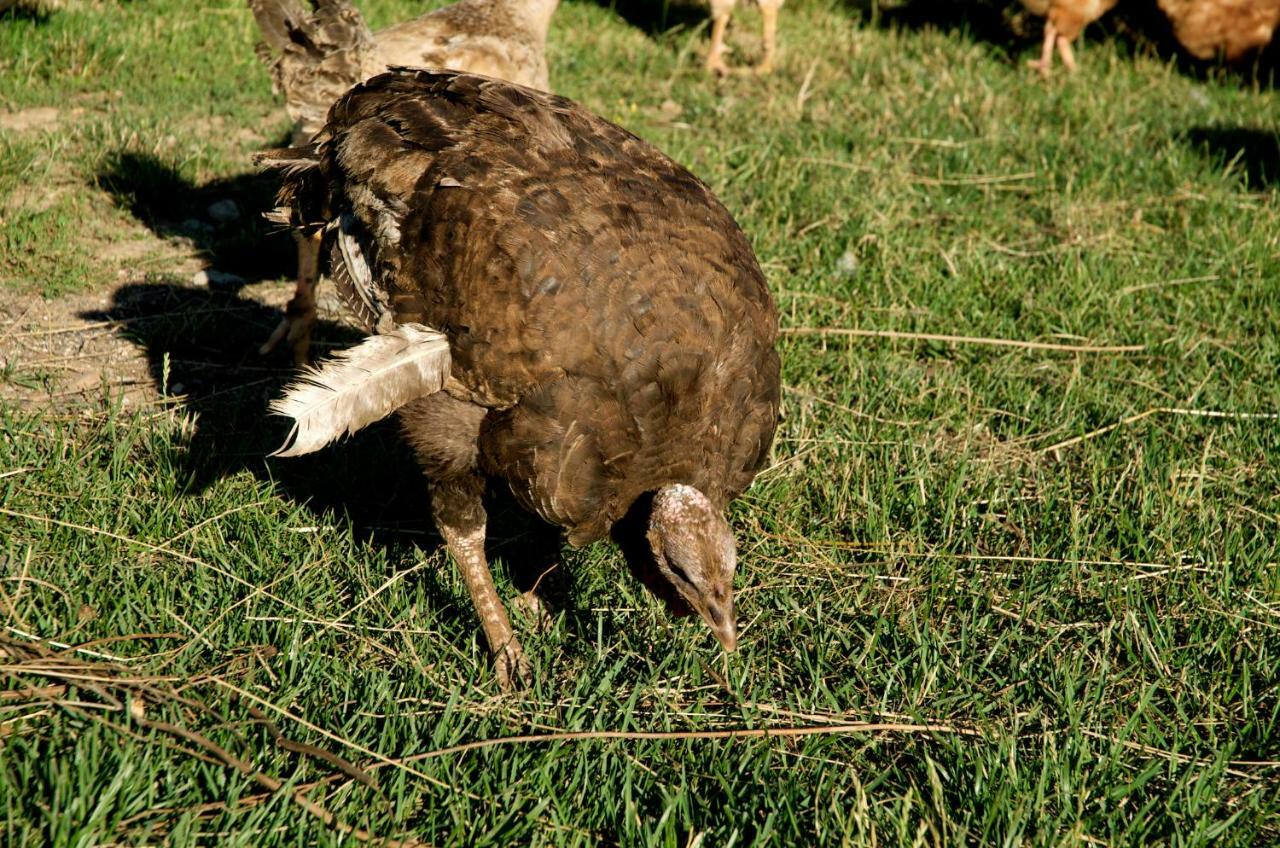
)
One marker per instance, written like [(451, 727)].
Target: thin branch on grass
[(342, 765), (1182, 281), (257, 590), (381, 759), (82, 649), (1159, 410), (804, 393), (950, 339), (676, 735), (888, 551), (1233, 766), (36, 659), (269, 783)]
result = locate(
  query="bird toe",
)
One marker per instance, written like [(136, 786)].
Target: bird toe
[(514, 672)]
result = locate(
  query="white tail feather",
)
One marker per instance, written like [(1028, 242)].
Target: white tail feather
[(362, 385)]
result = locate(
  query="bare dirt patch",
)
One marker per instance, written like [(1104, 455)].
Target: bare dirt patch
[(142, 338), (37, 118)]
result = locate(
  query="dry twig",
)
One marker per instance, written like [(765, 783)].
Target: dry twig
[(950, 339)]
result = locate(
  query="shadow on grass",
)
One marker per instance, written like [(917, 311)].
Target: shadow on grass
[(655, 17), (202, 343), (983, 21), (1254, 154), (1012, 33), (31, 11), (170, 205)]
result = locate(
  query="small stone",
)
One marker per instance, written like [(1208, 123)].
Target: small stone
[(194, 226), (224, 211), (177, 389), (216, 279), (847, 265)]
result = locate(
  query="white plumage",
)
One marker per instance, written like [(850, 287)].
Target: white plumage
[(362, 385)]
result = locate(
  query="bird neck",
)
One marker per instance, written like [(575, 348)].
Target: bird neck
[(535, 14)]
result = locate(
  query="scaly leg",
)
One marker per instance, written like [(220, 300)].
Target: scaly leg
[(1045, 63), (459, 513), (1068, 57), (300, 313), (720, 12), (769, 10)]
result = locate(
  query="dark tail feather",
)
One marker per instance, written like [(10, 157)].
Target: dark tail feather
[(291, 160), (300, 200)]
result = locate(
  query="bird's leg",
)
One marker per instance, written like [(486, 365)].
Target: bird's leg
[(300, 313), (1068, 56), (720, 12), (532, 603), (534, 569), (459, 513), (1045, 63), (769, 10)]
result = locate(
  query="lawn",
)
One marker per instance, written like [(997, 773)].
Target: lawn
[(1010, 576)]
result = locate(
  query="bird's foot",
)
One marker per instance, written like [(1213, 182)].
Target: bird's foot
[(294, 328), (535, 610), (513, 669), (764, 68), (1041, 67), (715, 64)]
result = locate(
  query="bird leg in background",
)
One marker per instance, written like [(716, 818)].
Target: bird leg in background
[(459, 513), (1068, 57), (300, 313), (1045, 63), (720, 12), (769, 10)]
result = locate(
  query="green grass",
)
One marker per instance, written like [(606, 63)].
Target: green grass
[(1094, 629)]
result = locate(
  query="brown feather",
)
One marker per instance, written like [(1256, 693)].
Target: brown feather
[(1232, 28)]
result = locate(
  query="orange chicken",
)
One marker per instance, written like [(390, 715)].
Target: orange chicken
[(1230, 28), (1064, 21)]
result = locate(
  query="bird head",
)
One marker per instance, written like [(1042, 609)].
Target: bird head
[(694, 550)]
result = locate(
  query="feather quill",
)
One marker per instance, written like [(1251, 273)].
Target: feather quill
[(362, 385)]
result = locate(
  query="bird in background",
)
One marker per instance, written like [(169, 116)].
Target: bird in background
[(1231, 29), (554, 305), (1064, 21), (317, 52), (721, 11)]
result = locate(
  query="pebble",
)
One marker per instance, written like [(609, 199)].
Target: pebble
[(216, 279), (847, 264)]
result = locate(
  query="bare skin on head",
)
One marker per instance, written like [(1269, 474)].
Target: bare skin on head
[(693, 548)]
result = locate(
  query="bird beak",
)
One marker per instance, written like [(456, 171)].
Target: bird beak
[(723, 625), (728, 636)]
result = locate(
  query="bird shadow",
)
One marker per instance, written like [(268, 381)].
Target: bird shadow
[(222, 219), (1253, 154), (1010, 32), (201, 345), (24, 10), (990, 23), (658, 18)]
